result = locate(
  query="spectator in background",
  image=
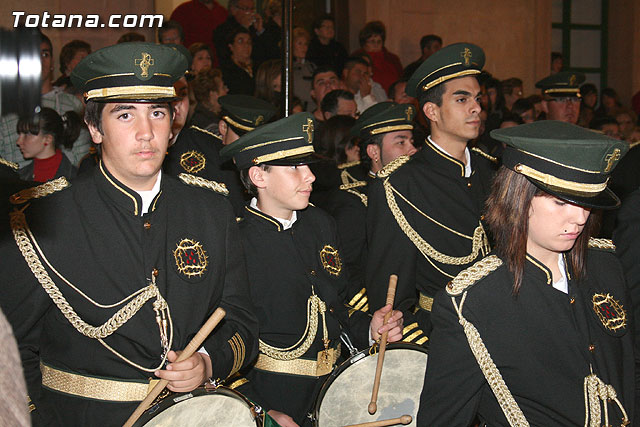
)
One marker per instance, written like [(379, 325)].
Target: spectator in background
[(510, 120), (208, 86), (557, 62), (237, 71), (52, 97), (429, 45), (356, 79), (589, 94), (524, 109), (609, 103), (131, 36), (377, 90), (171, 32), (538, 107), (323, 48), (512, 91), (199, 19), (496, 108), (336, 129), (201, 57), (272, 36), (561, 92), (626, 120), (323, 81), (339, 103), (607, 125), (242, 14), (71, 53), (269, 83), (42, 141), (302, 67), (386, 65)]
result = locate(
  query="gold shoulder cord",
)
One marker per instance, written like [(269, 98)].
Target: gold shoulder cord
[(204, 183), (595, 392), (23, 237), (480, 243), (314, 306), (349, 184)]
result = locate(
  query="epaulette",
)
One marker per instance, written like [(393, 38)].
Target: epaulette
[(485, 155), (392, 166), (348, 164), (603, 244), (39, 191), (208, 132), (7, 163), (471, 275), (196, 181)]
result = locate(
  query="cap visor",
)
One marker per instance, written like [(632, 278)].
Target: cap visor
[(604, 200)]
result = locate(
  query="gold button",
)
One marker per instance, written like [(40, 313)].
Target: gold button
[(572, 301), (313, 272), (481, 217), (331, 310), (469, 184), (147, 225), (155, 272), (592, 348)]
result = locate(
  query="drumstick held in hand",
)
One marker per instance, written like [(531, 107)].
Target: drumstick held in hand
[(391, 294), (404, 420), (188, 351)]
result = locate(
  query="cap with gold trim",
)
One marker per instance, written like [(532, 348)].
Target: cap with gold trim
[(450, 62), (564, 160), (288, 141), (244, 113), (134, 72), (382, 118), (562, 84)]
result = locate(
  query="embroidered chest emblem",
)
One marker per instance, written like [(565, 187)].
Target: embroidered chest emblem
[(609, 311), (331, 260), (191, 258), (192, 161)]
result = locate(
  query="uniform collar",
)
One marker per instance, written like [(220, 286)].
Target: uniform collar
[(542, 272), (434, 151), (120, 194), (266, 219)]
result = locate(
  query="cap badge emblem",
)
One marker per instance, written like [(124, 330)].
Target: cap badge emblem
[(572, 80), (609, 311), (191, 258), (409, 113), (331, 260), (611, 159), (308, 128), (144, 63), (467, 56)]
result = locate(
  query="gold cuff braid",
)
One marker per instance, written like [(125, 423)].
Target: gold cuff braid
[(425, 302)]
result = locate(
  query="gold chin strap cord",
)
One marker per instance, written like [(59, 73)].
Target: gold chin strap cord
[(595, 393)]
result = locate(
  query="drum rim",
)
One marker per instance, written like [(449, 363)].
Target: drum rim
[(169, 401), (344, 365)]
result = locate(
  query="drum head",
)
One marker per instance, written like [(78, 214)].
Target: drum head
[(200, 408), (345, 396)]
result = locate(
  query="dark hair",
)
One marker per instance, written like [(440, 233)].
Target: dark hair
[(510, 84), (555, 55), (508, 220), (353, 60), (268, 71), (334, 130), (317, 23), (204, 83), (433, 94), (69, 50), (246, 180), (47, 40), (599, 121), (521, 106), (512, 117), (170, 25), (93, 113), (364, 157), (428, 39), (587, 89), (131, 37), (65, 130), (329, 103), (394, 85), (365, 57), (322, 69), (231, 37), (373, 28), (199, 46)]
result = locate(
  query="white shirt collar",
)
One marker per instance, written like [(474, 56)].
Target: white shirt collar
[(562, 284), (286, 223), (467, 155), (148, 196)]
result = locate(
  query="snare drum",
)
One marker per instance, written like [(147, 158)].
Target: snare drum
[(221, 407), (345, 395)]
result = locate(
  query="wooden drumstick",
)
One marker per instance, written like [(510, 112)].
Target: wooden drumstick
[(391, 294), (188, 351), (404, 420)]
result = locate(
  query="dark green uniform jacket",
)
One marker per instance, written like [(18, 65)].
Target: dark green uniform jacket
[(284, 267), (94, 235), (446, 211), (543, 342)]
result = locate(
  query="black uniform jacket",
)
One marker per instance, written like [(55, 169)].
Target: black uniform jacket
[(197, 152), (544, 343), (284, 267), (448, 203), (94, 235)]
